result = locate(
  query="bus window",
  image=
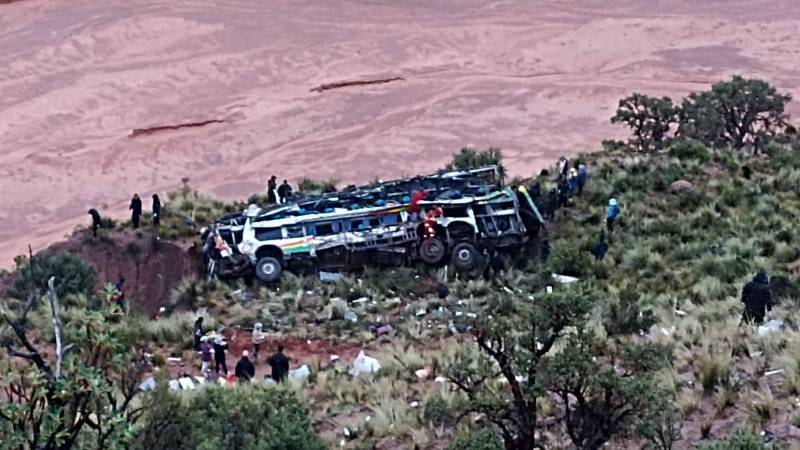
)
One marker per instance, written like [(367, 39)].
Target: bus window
[(323, 229), (457, 211), (268, 234), (295, 232), (391, 219), (374, 222)]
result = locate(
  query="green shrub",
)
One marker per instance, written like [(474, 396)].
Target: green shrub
[(689, 149), (740, 440), (72, 275), (309, 186), (436, 411), (485, 439), (570, 261), (247, 418)]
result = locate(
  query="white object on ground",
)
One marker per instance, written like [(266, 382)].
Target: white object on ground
[(680, 312), (364, 364), (186, 383), (148, 384), (440, 380), (301, 372), (564, 279), (770, 327), (174, 385), (200, 380)]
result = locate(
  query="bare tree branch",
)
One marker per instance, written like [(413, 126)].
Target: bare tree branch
[(53, 297)]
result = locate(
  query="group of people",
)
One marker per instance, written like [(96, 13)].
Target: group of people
[(213, 347), (570, 182), (135, 208), (278, 194)]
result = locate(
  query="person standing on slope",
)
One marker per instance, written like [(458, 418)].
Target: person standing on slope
[(95, 221), (258, 338), (136, 210), (757, 299), (583, 175), (219, 354), (612, 212), (279, 364), (198, 332), (284, 192), (272, 185), (245, 370), (156, 211)]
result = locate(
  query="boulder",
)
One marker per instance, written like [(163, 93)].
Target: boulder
[(681, 185)]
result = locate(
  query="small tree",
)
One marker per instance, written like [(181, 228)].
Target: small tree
[(85, 397), (72, 275), (470, 158), (736, 113), (650, 119), (514, 338)]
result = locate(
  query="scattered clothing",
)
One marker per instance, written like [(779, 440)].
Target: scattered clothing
[(280, 366), (757, 299), (245, 370), (136, 210)]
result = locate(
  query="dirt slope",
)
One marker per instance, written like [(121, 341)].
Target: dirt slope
[(538, 78)]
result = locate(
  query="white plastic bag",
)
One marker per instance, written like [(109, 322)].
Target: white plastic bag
[(302, 372), (365, 364)]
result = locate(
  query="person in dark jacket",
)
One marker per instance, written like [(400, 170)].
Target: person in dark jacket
[(120, 295), (544, 251), (552, 204), (136, 210), (279, 364), (284, 191), (601, 248), (95, 221), (245, 370), (205, 357), (219, 355), (612, 212), (757, 299), (156, 211), (272, 186), (198, 332), (563, 193)]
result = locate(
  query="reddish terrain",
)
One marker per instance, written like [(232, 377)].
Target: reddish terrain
[(100, 99)]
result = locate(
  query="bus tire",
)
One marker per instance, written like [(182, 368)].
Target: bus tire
[(465, 256), (432, 251), (268, 269)]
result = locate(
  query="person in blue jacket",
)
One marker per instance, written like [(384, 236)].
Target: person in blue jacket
[(583, 175), (611, 214)]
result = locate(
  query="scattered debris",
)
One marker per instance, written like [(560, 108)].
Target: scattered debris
[(414, 404), (140, 131), (329, 276), (423, 373), (421, 312), (343, 84), (773, 372), (365, 364), (440, 380), (148, 385), (770, 327), (563, 279), (681, 185), (680, 312), (186, 383), (300, 373)]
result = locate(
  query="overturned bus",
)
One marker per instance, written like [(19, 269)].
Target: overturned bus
[(450, 217)]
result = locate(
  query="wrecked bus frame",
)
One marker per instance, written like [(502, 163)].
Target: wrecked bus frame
[(380, 225)]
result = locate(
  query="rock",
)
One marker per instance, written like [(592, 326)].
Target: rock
[(681, 185)]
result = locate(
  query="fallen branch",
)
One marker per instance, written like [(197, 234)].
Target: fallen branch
[(53, 297), (151, 130), (342, 84)]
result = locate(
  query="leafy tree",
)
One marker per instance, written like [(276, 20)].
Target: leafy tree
[(650, 119), (662, 424), (72, 275), (246, 418), (514, 338), (735, 113), (602, 400), (83, 399), (470, 158)]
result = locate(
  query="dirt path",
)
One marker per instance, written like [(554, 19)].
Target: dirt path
[(537, 78)]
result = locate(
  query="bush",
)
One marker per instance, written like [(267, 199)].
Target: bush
[(570, 261), (740, 440), (689, 149), (246, 418), (309, 186), (72, 275), (436, 411), (470, 158), (485, 439)]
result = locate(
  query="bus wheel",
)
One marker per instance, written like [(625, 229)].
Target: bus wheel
[(465, 256), (268, 269), (432, 251)]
